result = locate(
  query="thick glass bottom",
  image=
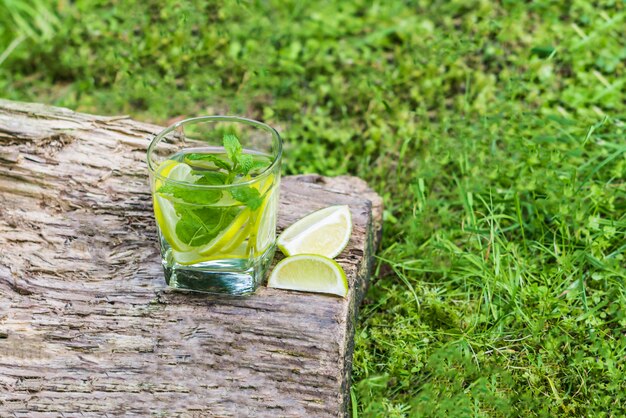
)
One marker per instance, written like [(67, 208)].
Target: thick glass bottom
[(235, 276)]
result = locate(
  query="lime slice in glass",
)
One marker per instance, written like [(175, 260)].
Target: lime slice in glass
[(167, 217), (193, 257), (265, 225), (164, 210), (310, 273), (232, 235), (325, 232)]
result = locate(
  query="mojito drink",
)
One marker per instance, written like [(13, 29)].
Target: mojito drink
[(215, 210)]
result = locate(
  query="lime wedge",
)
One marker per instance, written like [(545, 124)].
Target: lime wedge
[(325, 232), (310, 273)]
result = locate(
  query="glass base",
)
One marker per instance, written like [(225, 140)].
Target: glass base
[(236, 277)]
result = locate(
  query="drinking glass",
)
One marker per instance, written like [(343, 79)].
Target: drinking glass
[(216, 204)]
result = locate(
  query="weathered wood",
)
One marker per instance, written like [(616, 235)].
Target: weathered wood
[(87, 324)]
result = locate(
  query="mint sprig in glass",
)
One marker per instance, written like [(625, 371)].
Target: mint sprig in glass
[(214, 183)]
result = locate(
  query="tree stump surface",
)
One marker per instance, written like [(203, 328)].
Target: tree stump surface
[(87, 324)]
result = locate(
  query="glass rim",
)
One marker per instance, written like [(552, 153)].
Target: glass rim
[(214, 118)]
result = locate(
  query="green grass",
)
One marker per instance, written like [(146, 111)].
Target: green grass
[(494, 131)]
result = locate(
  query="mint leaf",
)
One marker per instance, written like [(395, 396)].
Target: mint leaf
[(190, 195), (196, 196), (200, 226), (249, 196), (220, 163), (245, 164), (232, 147), (260, 165), (210, 178)]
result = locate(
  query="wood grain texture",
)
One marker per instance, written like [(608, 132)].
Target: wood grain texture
[(87, 325)]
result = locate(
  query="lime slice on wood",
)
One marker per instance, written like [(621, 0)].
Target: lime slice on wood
[(310, 273), (324, 232)]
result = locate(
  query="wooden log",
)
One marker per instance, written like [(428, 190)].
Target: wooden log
[(87, 324)]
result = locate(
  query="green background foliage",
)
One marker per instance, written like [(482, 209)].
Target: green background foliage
[(493, 130)]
